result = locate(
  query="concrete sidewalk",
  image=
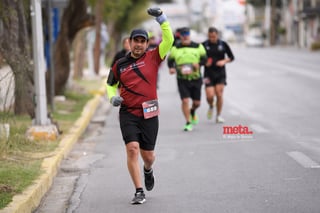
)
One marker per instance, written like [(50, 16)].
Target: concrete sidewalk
[(29, 199)]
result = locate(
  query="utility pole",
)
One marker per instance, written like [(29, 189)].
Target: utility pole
[(42, 128), (273, 23), (267, 18), (39, 65)]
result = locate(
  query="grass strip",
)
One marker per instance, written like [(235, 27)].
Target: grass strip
[(20, 158)]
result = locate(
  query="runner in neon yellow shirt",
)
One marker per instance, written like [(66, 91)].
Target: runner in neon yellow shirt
[(185, 60)]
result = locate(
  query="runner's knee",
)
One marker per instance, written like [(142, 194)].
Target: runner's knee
[(132, 150)]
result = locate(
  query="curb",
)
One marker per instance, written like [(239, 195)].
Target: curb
[(30, 198)]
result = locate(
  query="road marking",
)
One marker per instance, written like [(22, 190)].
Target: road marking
[(314, 146), (258, 128), (304, 160)]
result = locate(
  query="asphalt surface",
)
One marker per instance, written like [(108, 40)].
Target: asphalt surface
[(271, 91)]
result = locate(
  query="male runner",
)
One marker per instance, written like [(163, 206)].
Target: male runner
[(137, 75), (185, 60), (215, 77)]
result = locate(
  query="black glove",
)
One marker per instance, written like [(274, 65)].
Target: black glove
[(155, 12), (116, 100)]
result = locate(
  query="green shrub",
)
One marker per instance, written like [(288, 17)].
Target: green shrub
[(315, 46)]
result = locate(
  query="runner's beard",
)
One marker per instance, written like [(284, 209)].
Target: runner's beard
[(137, 52)]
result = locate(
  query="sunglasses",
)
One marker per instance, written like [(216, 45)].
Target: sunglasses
[(185, 34)]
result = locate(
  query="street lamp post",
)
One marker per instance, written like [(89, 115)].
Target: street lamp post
[(39, 65), (42, 128)]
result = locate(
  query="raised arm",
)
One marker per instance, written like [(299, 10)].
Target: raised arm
[(167, 35)]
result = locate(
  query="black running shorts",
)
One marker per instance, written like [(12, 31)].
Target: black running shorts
[(212, 78), (138, 129), (190, 89)]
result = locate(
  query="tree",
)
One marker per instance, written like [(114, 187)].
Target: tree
[(121, 16), (162, 1), (256, 3), (15, 43), (15, 46), (74, 18), (97, 43)]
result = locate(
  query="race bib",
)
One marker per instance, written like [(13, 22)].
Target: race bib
[(186, 69), (150, 109)]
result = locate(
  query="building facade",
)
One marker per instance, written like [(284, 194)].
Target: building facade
[(302, 22)]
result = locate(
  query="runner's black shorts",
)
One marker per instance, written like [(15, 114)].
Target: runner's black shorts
[(190, 88), (144, 131), (212, 78)]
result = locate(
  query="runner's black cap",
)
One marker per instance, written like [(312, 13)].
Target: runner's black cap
[(139, 33), (184, 30)]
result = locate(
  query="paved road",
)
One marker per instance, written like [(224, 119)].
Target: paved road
[(272, 92)]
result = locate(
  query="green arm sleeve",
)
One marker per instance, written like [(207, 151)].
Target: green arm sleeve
[(167, 39), (112, 90)]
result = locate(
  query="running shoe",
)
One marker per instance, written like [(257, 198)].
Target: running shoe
[(149, 180), (194, 119), (139, 198), (187, 127), (219, 119), (210, 113)]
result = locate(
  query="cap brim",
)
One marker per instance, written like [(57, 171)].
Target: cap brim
[(140, 35)]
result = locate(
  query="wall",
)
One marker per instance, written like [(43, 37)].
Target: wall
[(6, 88)]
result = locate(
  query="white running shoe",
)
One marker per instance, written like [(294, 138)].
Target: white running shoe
[(219, 119)]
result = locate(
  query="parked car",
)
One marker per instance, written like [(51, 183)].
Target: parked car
[(228, 35), (254, 38)]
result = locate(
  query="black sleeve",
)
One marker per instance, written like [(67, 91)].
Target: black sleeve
[(171, 63), (111, 79), (116, 57), (203, 60), (229, 52)]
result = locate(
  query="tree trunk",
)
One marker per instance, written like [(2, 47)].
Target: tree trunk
[(74, 18), (16, 49), (115, 35), (79, 49), (97, 43), (61, 60)]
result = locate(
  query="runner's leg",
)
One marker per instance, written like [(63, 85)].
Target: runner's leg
[(148, 158), (210, 93), (186, 109), (195, 104), (132, 149), (219, 93)]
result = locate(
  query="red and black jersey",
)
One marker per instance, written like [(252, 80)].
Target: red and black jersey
[(138, 79)]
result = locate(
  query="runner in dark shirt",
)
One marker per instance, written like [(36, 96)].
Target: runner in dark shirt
[(125, 49), (215, 77)]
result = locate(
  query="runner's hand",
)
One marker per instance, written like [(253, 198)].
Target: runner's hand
[(157, 12), (172, 71), (116, 100), (196, 66)]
